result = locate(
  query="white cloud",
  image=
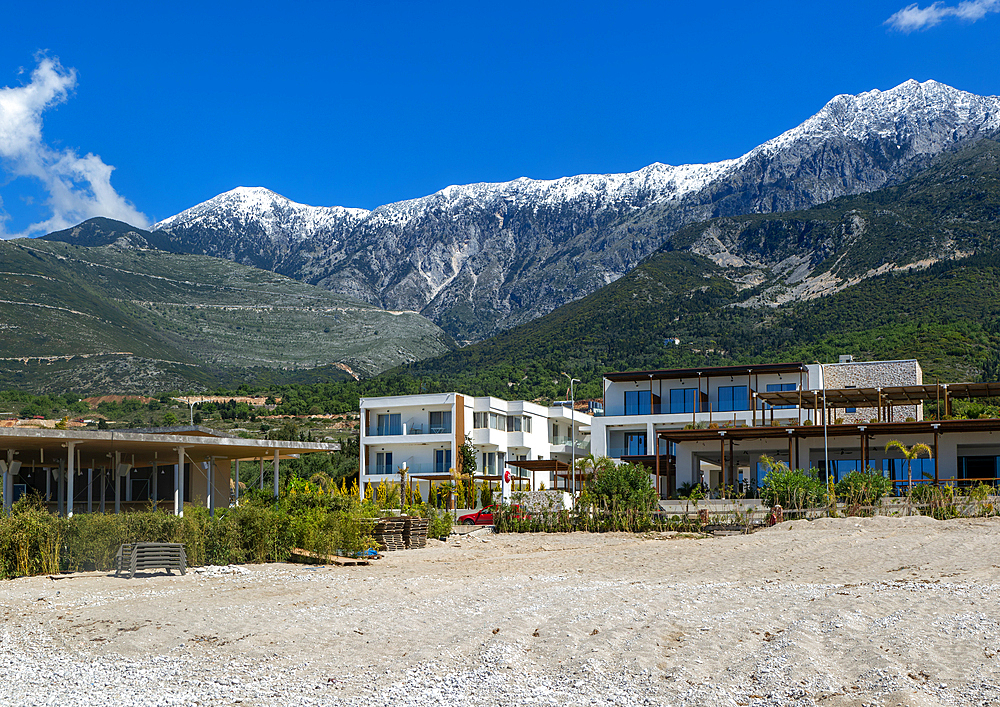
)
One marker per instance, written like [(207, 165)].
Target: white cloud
[(912, 17), (77, 187)]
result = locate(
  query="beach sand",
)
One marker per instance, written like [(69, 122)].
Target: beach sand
[(881, 611)]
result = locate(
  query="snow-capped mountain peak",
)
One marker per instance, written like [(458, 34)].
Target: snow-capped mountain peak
[(478, 258)]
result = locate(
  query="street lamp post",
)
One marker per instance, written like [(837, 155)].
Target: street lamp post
[(572, 426), (826, 444)]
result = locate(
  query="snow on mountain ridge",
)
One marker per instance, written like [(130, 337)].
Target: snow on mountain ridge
[(481, 257), (271, 210)]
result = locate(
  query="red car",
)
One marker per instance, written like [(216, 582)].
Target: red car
[(484, 516)]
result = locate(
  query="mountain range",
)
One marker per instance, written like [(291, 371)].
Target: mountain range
[(486, 260), (480, 258)]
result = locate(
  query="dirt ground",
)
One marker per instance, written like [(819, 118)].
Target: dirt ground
[(890, 611)]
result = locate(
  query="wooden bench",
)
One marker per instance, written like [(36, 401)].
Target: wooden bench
[(139, 557)]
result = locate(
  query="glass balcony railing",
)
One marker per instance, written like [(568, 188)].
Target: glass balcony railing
[(665, 409), (403, 430), (427, 468), (582, 443)]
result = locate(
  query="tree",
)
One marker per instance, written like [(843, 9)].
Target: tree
[(909, 454)]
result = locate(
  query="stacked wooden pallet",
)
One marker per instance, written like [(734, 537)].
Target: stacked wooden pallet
[(388, 533), (415, 533)]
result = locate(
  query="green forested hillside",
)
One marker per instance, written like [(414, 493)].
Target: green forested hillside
[(112, 319), (944, 311)]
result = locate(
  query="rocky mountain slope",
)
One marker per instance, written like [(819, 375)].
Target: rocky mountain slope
[(907, 271), (480, 258), (122, 319)]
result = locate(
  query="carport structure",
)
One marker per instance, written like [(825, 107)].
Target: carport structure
[(132, 469)]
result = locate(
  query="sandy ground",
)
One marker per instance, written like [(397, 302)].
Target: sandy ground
[(883, 611)]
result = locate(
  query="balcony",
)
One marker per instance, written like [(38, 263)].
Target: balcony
[(411, 469), (582, 444), (408, 431)]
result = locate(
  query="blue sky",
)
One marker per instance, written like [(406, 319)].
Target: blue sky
[(360, 104)]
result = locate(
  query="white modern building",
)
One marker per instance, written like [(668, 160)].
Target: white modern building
[(422, 434), (712, 425)]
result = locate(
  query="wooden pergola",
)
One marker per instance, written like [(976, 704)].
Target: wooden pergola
[(558, 468), (882, 399), (728, 436)]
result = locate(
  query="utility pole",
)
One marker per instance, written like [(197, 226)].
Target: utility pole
[(572, 425)]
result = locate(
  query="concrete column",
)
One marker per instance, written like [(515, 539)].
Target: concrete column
[(179, 484), (61, 488), (118, 483), (236, 490), (262, 473), (154, 492), (70, 477), (104, 484), (8, 483), (210, 501), (276, 473), (90, 487)]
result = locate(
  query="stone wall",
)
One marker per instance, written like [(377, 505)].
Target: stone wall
[(874, 374), (542, 501)]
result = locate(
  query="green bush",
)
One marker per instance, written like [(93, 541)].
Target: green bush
[(866, 488), (791, 488)]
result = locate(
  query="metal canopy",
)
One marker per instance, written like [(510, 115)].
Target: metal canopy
[(144, 445)]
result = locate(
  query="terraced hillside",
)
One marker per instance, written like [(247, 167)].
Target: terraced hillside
[(120, 319)]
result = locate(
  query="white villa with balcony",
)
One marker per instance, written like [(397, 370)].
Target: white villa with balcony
[(713, 424), (422, 433)]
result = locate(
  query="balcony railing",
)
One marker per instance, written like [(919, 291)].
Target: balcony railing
[(403, 430), (426, 468), (582, 444), (665, 409)]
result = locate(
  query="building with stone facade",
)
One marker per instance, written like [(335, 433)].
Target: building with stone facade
[(712, 425)]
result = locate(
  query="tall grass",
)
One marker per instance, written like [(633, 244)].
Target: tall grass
[(259, 529)]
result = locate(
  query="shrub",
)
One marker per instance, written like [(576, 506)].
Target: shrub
[(866, 488), (790, 488)]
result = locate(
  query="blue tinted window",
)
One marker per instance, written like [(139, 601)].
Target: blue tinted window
[(682, 400), (733, 397), (638, 402)]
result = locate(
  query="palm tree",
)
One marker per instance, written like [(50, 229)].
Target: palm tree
[(909, 453)]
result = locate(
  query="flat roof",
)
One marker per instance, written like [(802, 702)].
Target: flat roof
[(33, 444), (671, 373)]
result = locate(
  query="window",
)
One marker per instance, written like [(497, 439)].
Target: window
[(480, 420), (383, 463), (682, 400), (442, 461), (513, 423), (638, 402), (498, 421), (922, 469), (635, 443), (526, 424), (441, 422), (733, 397), (555, 432), (389, 425), (778, 388), (851, 409), (490, 463)]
